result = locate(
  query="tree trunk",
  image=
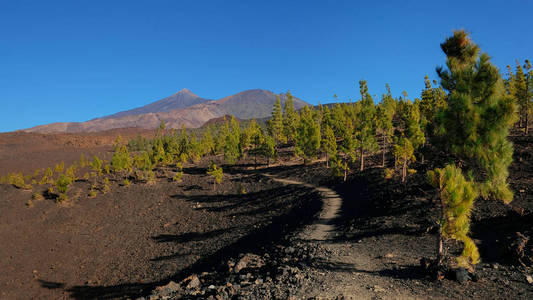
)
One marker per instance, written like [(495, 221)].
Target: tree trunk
[(255, 161), (440, 248), (527, 116), (362, 159), (345, 170), (327, 160), (383, 152), (404, 170)]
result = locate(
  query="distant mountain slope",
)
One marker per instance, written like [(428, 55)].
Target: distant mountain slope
[(181, 99), (245, 105), (254, 103)]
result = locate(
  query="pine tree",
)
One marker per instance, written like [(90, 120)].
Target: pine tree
[(247, 134), (475, 125), (384, 115), (365, 129), (216, 173), (347, 145), (529, 94), (404, 152), (121, 159), (329, 143), (275, 124), (257, 140), (433, 100), (231, 145), (208, 143), (158, 154), (290, 119), (220, 138), (476, 121), (308, 135), (268, 148), (409, 134), (519, 86), (96, 165)]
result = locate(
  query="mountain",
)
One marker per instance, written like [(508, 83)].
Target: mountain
[(181, 99), (248, 104)]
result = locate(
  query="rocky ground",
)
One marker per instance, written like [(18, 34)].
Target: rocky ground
[(286, 231), (375, 245)]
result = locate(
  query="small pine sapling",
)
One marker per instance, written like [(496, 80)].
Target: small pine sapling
[(106, 187), (216, 173), (62, 185), (59, 167), (179, 174)]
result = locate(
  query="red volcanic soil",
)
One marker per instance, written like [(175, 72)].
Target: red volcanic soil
[(141, 235), (27, 152)]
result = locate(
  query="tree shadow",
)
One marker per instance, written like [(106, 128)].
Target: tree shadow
[(398, 272), (51, 285), (189, 236), (495, 236), (305, 206)]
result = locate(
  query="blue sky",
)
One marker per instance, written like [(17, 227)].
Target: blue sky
[(77, 60)]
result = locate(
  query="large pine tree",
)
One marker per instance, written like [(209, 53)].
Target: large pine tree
[(478, 116), (475, 125), (365, 129)]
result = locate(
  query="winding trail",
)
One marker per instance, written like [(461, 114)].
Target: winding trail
[(331, 205)]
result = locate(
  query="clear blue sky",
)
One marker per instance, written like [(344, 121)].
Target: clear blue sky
[(77, 60)]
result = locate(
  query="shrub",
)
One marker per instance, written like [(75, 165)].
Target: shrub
[(178, 176), (388, 173), (71, 172), (107, 168), (126, 182), (37, 196), (106, 187), (47, 177), (96, 165), (149, 176), (17, 180), (62, 197), (62, 183), (83, 161), (59, 167)]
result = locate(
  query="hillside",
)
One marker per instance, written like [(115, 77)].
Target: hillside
[(248, 104), (181, 99)]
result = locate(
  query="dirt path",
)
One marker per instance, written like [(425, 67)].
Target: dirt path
[(341, 270), (321, 229)]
